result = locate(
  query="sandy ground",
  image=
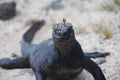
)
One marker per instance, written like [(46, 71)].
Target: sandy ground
[(97, 29)]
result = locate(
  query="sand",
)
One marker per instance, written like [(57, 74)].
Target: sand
[(96, 28)]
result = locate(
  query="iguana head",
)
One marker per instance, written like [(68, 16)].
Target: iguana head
[(63, 32), (63, 37)]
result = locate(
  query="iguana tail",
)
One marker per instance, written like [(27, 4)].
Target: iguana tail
[(28, 35), (26, 46)]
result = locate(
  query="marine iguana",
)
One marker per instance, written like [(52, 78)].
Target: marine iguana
[(58, 58)]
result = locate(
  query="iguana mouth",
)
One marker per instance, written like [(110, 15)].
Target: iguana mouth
[(61, 39)]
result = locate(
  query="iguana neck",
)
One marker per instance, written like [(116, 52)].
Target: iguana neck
[(65, 49)]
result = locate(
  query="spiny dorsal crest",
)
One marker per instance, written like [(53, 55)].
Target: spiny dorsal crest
[(63, 25)]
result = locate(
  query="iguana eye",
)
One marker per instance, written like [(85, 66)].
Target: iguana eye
[(69, 30)]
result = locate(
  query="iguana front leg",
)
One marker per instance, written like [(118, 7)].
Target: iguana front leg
[(93, 68), (40, 76), (18, 63), (96, 54)]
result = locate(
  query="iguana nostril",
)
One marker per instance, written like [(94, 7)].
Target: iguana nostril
[(64, 34)]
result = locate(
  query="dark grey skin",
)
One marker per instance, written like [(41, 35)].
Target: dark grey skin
[(58, 58)]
